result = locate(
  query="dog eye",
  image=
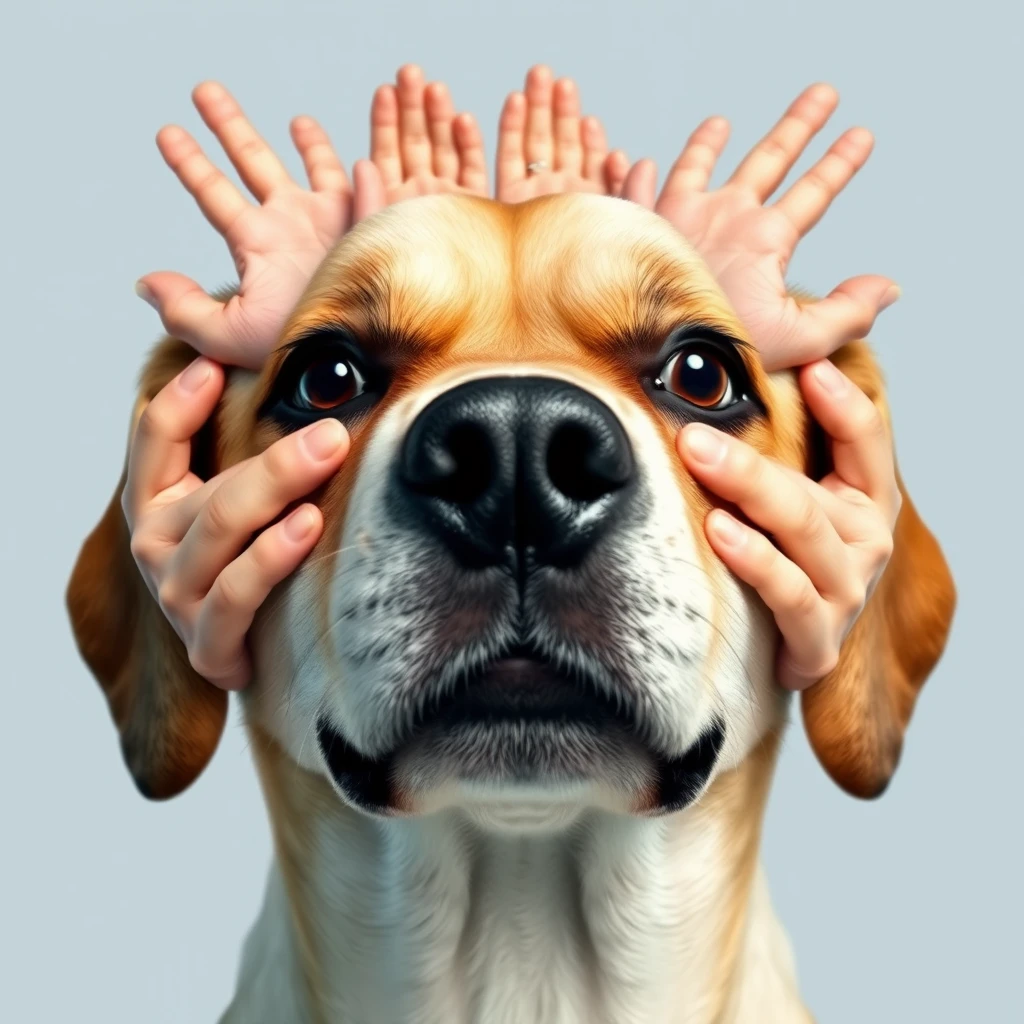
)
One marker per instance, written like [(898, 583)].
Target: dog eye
[(327, 383), (698, 375)]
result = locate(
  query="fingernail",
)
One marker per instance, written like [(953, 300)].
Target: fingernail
[(830, 378), (323, 440), (144, 293), (299, 524), (195, 376), (728, 531), (704, 444), (890, 297)]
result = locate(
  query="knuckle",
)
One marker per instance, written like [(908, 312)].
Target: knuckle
[(883, 547), (810, 521), (853, 598), (773, 147), (804, 599), (140, 547), (170, 597), (226, 594), (867, 419), (262, 557), (216, 516), (150, 421), (282, 461)]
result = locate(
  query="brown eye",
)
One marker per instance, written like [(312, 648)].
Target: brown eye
[(699, 376), (328, 382)]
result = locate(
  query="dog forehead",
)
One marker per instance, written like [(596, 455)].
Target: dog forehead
[(466, 271)]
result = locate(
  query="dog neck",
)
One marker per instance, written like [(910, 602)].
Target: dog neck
[(611, 919)]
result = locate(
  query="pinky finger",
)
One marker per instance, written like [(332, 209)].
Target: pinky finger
[(800, 612), (227, 611), (616, 167), (641, 184), (469, 143)]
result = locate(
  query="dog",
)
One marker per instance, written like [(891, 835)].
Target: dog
[(514, 722)]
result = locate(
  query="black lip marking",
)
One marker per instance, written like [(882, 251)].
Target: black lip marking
[(682, 778), (518, 687)]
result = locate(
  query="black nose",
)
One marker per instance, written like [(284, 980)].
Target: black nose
[(514, 466)]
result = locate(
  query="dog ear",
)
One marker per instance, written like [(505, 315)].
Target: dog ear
[(169, 718), (857, 715)]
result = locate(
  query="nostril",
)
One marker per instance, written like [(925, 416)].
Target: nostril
[(584, 464), (456, 466)]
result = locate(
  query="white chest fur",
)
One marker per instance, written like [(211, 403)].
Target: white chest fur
[(438, 921)]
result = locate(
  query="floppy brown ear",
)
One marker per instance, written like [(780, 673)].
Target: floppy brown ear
[(169, 718), (857, 715)]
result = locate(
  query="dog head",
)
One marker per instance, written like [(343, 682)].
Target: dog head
[(513, 596)]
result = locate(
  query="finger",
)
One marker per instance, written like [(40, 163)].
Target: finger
[(695, 164), (616, 170), (189, 313), (167, 523), (370, 194), (861, 447), (768, 163), (440, 116), (218, 199), (800, 612), (384, 146), (846, 314), (641, 184), (469, 144), (161, 447), (806, 202), (738, 473), (226, 613), (538, 144), (286, 471), (325, 171), (843, 504), (568, 144), (413, 140), (511, 157), (595, 150), (256, 163)]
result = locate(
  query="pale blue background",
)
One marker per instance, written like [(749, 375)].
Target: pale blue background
[(116, 910)]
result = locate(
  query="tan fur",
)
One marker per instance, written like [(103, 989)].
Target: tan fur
[(435, 296)]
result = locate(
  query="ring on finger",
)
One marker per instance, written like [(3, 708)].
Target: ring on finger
[(536, 166)]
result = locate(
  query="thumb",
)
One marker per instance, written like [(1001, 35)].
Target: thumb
[(846, 314), (370, 195), (189, 313)]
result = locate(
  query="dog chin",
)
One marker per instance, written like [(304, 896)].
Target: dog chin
[(522, 731)]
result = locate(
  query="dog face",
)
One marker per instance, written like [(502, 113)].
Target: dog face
[(513, 598)]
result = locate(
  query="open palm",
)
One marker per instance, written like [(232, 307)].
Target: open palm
[(748, 246), (276, 243), (419, 146)]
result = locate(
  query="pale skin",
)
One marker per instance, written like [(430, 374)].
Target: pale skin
[(190, 538)]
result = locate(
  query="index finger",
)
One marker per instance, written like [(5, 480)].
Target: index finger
[(161, 447)]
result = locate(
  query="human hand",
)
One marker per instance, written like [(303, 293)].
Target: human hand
[(544, 127), (276, 243), (748, 245), (419, 145), (834, 537), (189, 538)]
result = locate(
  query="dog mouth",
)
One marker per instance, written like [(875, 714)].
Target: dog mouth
[(521, 718)]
